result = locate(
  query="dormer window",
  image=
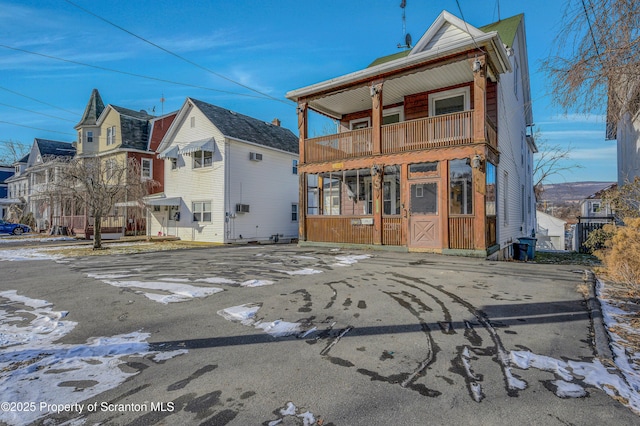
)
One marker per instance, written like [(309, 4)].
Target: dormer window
[(111, 135)]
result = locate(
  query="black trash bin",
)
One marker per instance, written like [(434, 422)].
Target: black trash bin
[(520, 251)]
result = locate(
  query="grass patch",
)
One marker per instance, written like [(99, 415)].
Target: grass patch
[(566, 258), (125, 248)]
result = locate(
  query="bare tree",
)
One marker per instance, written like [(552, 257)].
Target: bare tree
[(550, 160), (597, 58), (99, 184), (12, 151)]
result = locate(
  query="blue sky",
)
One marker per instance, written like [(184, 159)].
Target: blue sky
[(270, 46)]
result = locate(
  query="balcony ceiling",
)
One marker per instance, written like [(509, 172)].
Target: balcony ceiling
[(394, 89)]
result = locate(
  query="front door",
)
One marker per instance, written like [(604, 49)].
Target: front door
[(424, 218)]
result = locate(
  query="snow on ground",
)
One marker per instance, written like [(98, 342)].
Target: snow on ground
[(246, 315), (65, 373), (290, 410), (573, 375), (176, 292), (29, 239)]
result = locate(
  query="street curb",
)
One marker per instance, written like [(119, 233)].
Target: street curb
[(600, 335)]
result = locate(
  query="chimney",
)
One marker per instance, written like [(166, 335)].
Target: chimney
[(276, 122)]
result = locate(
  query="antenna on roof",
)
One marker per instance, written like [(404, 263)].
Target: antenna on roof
[(407, 37)]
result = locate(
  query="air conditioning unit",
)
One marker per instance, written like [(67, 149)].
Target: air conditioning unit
[(254, 156), (242, 208)]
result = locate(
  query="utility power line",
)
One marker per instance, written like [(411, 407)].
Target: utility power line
[(127, 73), (37, 100), (182, 58)]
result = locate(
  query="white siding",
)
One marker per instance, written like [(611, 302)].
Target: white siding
[(448, 35), (628, 129), (516, 159), (268, 186), (204, 184)]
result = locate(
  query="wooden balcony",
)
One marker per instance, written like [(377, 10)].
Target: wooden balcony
[(424, 133)]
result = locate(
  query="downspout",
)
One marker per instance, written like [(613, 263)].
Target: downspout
[(227, 193)]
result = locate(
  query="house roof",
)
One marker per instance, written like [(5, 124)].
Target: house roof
[(238, 126), (92, 111), (506, 29), (134, 127), (54, 148), (4, 175), (422, 67), (599, 194)]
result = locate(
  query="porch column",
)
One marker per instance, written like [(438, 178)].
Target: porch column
[(444, 203), (377, 172), (302, 129), (376, 116), (479, 66), (302, 207)]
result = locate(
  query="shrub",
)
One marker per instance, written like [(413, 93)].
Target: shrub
[(621, 254)]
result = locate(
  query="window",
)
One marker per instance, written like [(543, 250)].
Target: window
[(490, 205), (111, 135), (449, 101), (294, 212), (460, 187), (202, 159), (147, 168), (392, 115), (360, 123), (505, 196), (595, 208), (294, 167), (424, 198), (193, 122), (201, 211), (79, 138), (174, 163), (89, 136), (110, 169)]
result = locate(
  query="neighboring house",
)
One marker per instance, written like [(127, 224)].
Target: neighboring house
[(550, 232), (626, 129), (5, 173), (18, 188), (228, 178), (593, 209), (594, 214), (432, 151), (116, 135), (33, 176)]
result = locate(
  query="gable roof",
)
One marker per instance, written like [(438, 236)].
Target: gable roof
[(238, 126), (159, 128), (448, 23), (92, 111)]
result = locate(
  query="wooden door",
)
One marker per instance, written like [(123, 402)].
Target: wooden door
[(424, 214)]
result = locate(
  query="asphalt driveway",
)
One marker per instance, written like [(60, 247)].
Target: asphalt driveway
[(287, 335)]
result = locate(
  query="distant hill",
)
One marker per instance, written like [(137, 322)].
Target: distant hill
[(571, 192)]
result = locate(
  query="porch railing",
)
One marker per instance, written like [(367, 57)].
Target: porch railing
[(423, 133), (340, 229), (392, 234), (461, 234)]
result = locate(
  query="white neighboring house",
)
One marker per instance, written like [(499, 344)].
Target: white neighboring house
[(550, 232), (228, 178)]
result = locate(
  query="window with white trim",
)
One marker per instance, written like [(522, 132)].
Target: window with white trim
[(201, 211), (89, 136), (111, 135), (146, 168), (360, 123), (202, 159), (294, 167), (450, 101), (294, 212)]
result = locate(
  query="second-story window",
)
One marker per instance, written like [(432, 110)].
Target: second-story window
[(146, 167), (202, 158), (294, 167), (111, 135), (89, 136)]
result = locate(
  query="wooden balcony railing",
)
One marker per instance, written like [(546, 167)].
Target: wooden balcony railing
[(356, 143), (424, 133)]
